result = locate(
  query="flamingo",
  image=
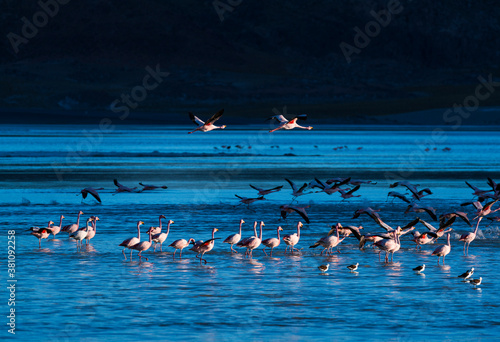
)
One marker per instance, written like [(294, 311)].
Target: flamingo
[(328, 242), (242, 242), (234, 238), (132, 241), (123, 188), (263, 192), (254, 242), (143, 246), (296, 190), (438, 232), (345, 194), (390, 246), (409, 186), (209, 125), (157, 230), (180, 244), (151, 187), (418, 209), (467, 238), (56, 229), (288, 209), (161, 237), (422, 193), (395, 194), (455, 214), (332, 187), (81, 234), (443, 250), (286, 124), (423, 239), (92, 192), (272, 242), (204, 247), (41, 233), (91, 233), (71, 228), (477, 192), (293, 239), (248, 201)]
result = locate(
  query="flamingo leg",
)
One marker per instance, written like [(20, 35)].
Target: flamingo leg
[(175, 250), (161, 247), (264, 250), (123, 251), (181, 253), (130, 254), (468, 248), (39, 243), (272, 251)]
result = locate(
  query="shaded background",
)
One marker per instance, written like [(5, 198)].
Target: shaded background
[(259, 57)]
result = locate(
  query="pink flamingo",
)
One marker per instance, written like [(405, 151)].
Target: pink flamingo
[(161, 237), (180, 244), (85, 192), (81, 234), (293, 239), (71, 228), (132, 241), (93, 231), (56, 229), (286, 124), (143, 246), (467, 238), (152, 187), (245, 240), (209, 125), (203, 247), (41, 233), (272, 242), (157, 230), (443, 250), (234, 238), (254, 242), (390, 245)]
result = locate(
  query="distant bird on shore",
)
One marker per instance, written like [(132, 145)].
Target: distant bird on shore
[(263, 192), (146, 187), (467, 274), (286, 124), (209, 125), (92, 192)]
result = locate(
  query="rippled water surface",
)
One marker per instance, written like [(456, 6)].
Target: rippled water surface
[(65, 294)]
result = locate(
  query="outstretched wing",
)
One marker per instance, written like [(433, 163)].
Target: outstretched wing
[(196, 120), (280, 118), (116, 183), (302, 213), (215, 117)]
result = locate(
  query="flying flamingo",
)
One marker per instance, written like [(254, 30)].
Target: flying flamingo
[(443, 250), (123, 188), (56, 229), (151, 187), (467, 238), (93, 231), (180, 244), (92, 192), (81, 234), (248, 201), (143, 246), (296, 190), (272, 242), (157, 230), (263, 192), (288, 209), (209, 125), (254, 242), (204, 247), (293, 239), (132, 241), (418, 209), (345, 194), (395, 194), (71, 228), (41, 233), (234, 238), (161, 237), (285, 124), (390, 246)]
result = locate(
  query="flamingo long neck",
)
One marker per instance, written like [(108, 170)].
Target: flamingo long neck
[(150, 236), (477, 225), (213, 233), (261, 224), (94, 225), (337, 230), (255, 229), (278, 233), (88, 228), (60, 221), (241, 223), (139, 232), (160, 224), (49, 224), (78, 220), (298, 229), (448, 243), (168, 227)]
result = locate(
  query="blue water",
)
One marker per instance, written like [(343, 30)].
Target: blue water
[(64, 294)]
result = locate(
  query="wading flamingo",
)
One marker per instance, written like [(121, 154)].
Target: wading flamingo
[(161, 237), (293, 239), (180, 244), (234, 238), (272, 242), (132, 241), (443, 250)]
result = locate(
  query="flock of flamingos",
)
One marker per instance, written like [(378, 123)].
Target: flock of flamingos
[(388, 241)]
